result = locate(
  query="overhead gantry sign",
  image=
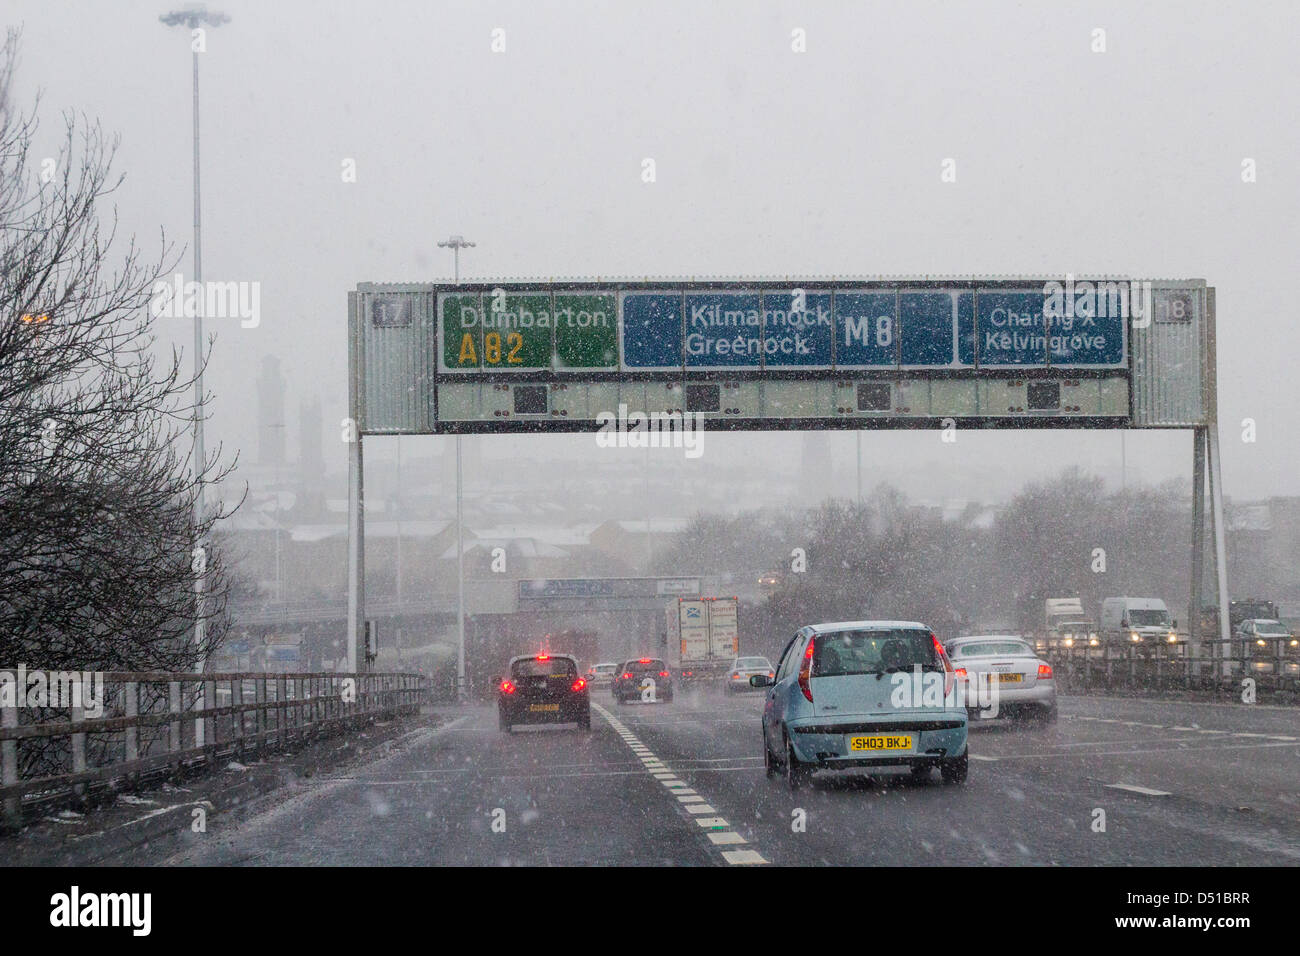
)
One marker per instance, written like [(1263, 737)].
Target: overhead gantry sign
[(568, 355)]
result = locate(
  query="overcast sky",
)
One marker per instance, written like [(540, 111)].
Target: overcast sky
[(768, 161)]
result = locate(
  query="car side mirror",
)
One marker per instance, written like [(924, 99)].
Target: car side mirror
[(760, 680)]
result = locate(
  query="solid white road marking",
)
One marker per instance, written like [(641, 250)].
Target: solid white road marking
[(982, 757), (690, 801)]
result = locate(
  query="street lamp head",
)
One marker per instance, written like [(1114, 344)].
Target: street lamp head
[(194, 17), (456, 242)]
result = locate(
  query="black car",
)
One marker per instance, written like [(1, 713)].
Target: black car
[(635, 677), (543, 689)]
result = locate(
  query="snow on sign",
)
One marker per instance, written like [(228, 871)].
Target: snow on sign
[(500, 330), (524, 331)]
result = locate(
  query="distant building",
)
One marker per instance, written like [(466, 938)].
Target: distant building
[(270, 413), (815, 463), (311, 457), (635, 542)]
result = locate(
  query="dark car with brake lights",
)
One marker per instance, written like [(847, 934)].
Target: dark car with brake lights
[(543, 689), (645, 678)]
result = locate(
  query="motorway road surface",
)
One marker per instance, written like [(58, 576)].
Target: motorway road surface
[(682, 783)]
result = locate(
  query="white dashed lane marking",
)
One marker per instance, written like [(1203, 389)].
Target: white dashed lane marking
[(1134, 788), (720, 832)]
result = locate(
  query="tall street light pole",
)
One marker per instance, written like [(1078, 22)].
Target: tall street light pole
[(197, 18), (455, 244)]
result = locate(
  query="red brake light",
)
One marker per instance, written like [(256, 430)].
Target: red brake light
[(1044, 671), (663, 673), (805, 673), (543, 656), (627, 675), (960, 672), (507, 687), (644, 660), (949, 677), (578, 684)]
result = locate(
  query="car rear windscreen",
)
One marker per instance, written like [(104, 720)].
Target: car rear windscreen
[(994, 649), (646, 667), (873, 652), (753, 662), (551, 667)]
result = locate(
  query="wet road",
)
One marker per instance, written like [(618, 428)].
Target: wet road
[(683, 783)]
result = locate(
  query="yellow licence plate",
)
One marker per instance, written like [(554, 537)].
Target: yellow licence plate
[(543, 708), (1009, 678), (881, 742)]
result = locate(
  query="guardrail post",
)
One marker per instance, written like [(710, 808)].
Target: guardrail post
[(78, 714), (260, 722), (281, 710), (174, 708), (209, 702), (131, 710), (13, 805), (237, 718)]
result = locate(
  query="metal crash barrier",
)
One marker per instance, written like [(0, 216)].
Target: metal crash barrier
[(133, 726), (1209, 664)]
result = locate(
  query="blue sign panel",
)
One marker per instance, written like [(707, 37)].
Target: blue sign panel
[(748, 330), (652, 330), (866, 329), (797, 330), (723, 330), (937, 329), (1012, 329), (1015, 331), (1088, 340)]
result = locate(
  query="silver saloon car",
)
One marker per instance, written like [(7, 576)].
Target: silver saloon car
[(742, 669), (1002, 672), (863, 694)]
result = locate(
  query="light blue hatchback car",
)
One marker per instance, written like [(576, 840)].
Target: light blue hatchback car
[(873, 694)]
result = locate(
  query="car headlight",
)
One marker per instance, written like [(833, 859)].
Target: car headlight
[(1136, 636), (1173, 638), (1092, 641), (1069, 642)]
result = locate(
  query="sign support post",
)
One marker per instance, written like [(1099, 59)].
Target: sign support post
[(1194, 629), (356, 499)]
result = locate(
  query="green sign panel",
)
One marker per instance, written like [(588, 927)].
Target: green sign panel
[(586, 330), (497, 331)]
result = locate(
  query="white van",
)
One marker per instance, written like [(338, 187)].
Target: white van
[(1141, 621)]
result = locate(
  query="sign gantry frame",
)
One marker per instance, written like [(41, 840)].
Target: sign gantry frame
[(815, 353)]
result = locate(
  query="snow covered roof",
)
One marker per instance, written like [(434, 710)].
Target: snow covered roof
[(523, 547)]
